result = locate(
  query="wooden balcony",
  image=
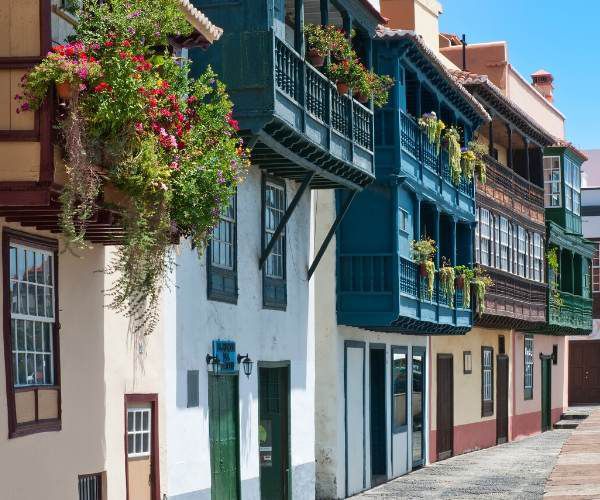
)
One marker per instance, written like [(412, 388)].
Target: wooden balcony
[(510, 193), (572, 317), (386, 293), (513, 302)]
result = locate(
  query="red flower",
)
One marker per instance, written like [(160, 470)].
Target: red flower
[(166, 113), (102, 86), (126, 43), (152, 102), (122, 55), (108, 43)]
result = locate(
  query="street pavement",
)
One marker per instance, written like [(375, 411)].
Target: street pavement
[(516, 470)]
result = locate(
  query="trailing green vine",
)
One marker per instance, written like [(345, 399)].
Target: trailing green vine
[(479, 152), (136, 120), (447, 281), (481, 282), (422, 253), (464, 278), (553, 265), (452, 138), (433, 128)]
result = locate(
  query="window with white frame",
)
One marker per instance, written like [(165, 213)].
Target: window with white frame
[(515, 246), (528, 369), (497, 242), (568, 184), (403, 220), (504, 244), (596, 268), (537, 257), (573, 185), (274, 210), (477, 235), (32, 295), (522, 252), (138, 432), (222, 243), (485, 237), (552, 196), (487, 381)]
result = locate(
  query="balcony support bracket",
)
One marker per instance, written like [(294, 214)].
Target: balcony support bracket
[(330, 234), (286, 216)]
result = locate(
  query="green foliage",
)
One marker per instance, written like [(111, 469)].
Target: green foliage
[(479, 151), (466, 274), (452, 138), (553, 266), (167, 142), (429, 266), (433, 127), (375, 86), (423, 250), (328, 41), (481, 282), (447, 278)]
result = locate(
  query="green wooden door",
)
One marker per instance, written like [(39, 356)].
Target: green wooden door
[(224, 436), (273, 432), (546, 394)]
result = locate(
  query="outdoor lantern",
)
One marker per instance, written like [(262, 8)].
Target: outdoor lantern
[(214, 361), (246, 363)]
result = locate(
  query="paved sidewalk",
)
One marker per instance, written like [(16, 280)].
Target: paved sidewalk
[(576, 474), (516, 470)]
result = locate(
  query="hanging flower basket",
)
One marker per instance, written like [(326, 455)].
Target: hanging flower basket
[(64, 90), (315, 58), (459, 282), (423, 270), (342, 88), (362, 98)]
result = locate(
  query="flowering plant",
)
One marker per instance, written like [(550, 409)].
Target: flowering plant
[(433, 127), (376, 86), (452, 138), (422, 253), (139, 122), (348, 72), (328, 40)]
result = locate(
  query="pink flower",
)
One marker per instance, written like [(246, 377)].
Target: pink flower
[(139, 128), (174, 165)]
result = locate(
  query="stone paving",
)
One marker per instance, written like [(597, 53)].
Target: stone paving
[(576, 474), (516, 470)]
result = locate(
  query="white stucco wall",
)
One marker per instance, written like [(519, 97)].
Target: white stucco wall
[(266, 335)]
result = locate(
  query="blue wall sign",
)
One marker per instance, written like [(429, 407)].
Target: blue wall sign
[(224, 351)]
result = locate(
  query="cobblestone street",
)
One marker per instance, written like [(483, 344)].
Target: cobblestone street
[(516, 470)]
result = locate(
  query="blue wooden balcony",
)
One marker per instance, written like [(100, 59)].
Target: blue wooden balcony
[(370, 296)]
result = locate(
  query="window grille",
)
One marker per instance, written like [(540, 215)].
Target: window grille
[(274, 210), (528, 378), (90, 487), (596, 269), (138, 432)]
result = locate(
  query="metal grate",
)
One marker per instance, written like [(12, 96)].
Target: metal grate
[(90, 487), (363, 126)]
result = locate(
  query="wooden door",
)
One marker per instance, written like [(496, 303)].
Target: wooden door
[(584, 372), (224, 436), (274, 432), (141, 447), (418, 397), (378, 416), (502, 399), (445, 406), (546, 393)]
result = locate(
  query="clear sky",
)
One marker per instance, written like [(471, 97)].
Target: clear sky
[(562, 37)]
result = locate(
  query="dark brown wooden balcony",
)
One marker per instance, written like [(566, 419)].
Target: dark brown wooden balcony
[(513, 302)]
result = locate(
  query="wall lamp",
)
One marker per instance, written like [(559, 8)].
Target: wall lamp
[(214, 361), (246, 363)]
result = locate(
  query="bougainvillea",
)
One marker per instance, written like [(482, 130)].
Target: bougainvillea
[(137, 121)]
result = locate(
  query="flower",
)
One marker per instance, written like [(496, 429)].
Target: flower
[(102, 86), (174, 165), (109, 43)]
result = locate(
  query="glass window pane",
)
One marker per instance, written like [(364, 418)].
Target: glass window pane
[(30, 368), (15, 370), (399, 389), (14, 297), (29, 335), (130, 447), (138, 421), (145, 443), (40, 300), (21, 263), (49, 293), (130, 421), (145, 421), (39, 369), (48, 369), (39, 268), (138, 443), (39, 336), (32, 299), (22, 298), (47, 327), (20, 335), (13, 263)]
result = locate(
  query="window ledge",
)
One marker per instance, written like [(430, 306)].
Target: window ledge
[(50, 425), (65, 14)]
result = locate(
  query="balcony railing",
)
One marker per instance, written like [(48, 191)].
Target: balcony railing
[(513, 184), (415, 142), (574, 312), (308, 87)]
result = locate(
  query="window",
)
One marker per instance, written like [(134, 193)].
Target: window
[(222, 256), (467, 362), (504, 244), (399, 388), (552, 181), (486, 236), (90, 487), (576, 170), (522, 252), (528, 370), (596, 269), (496, 242), (274, 273), (487, 381), (403, 221), (71, 6), (568, 184), (477, 234), (138, 432), (537, 258), (32, 364)]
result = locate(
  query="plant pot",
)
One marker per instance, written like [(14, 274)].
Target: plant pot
[(423, 270), (362, 98), (315, 58), (459, 282), (64, 90), (342, 88)]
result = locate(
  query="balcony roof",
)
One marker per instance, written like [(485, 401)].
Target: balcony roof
[(561, 143), (489, 92), (206, 32), (452, 83)]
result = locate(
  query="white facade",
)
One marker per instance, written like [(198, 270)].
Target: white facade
[(343, 388), (266, 335)]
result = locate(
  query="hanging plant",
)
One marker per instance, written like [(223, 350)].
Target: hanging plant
[(447, 281), (553, 265), (422, 253), (325, 41), (481, 282), (433, 128), (479, 152), (138, 121), (464, 278), (452, 138), (467, 163), (372, 85)]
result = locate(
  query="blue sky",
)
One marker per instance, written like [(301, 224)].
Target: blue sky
[(560, 37)]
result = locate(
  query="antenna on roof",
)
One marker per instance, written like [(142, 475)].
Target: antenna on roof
[(464, 51)]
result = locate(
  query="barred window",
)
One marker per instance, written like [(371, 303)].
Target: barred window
[(32, 315), (552, 186), (274, 210), (485, 232), (504, 244), (487, 374), (528, 378), (222, 243), (596, 269)]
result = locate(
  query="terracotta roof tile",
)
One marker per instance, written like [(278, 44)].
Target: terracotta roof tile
[(200, 22)]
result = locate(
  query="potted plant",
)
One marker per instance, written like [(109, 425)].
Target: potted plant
[(464, 277), (478, 151), (467, 163), (447, 281), (481, 282), (372, 85), (422, 253), (553, 266), (325, 41), (166, 142), (345, 74), (433, 128), (452, 139)]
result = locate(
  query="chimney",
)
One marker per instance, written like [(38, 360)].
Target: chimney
[(420, 16), (542, 81)]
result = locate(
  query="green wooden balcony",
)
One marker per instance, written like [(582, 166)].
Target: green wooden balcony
[(572, 317)]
